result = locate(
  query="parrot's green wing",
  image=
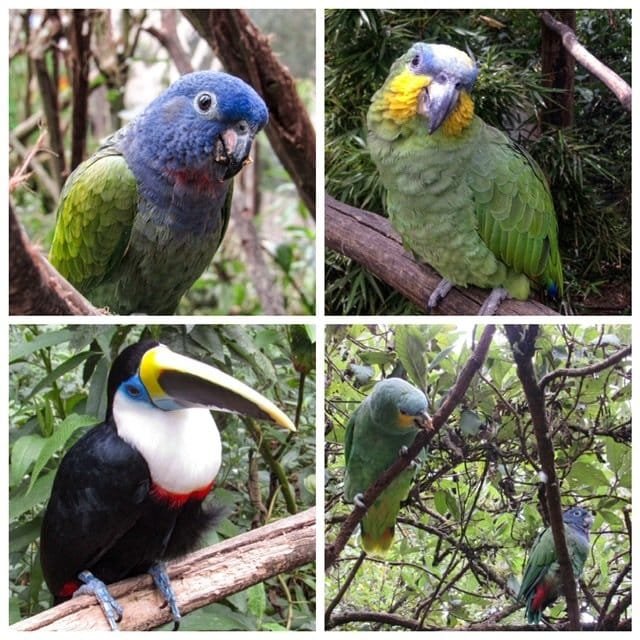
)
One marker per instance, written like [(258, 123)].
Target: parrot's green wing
[(95, 216), (348, 436), (513, 204), (542, 556)]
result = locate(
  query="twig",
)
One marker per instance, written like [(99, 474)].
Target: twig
[(596, 68)]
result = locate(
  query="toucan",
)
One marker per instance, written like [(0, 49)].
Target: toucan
[(129, 494)]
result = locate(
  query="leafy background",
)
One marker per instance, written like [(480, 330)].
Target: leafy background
[(588, 166), (473, 511), (57, 382), (129, 68)]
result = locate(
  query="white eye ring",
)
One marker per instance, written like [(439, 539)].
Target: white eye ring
[(205, 104)]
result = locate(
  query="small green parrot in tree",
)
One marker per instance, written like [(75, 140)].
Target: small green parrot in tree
[(542, 583), (380, 429), (463, 196), (140, 220)]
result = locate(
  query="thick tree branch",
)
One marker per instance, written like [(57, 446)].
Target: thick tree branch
[(455, 396), (523, 343), (35, 287), (370, 240), (246, 52), (391, 619), (596, 68), (198, 579)]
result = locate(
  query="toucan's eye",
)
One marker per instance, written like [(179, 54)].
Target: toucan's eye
[(205, 103), (133, 391)]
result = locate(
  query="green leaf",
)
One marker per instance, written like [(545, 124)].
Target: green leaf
[(43, 341), (440, 501), (410, 348), (24, 453), (38, 494), (257, 602), (380, 358), (588, 475), (68, 365), (470, 423), (57, 440)]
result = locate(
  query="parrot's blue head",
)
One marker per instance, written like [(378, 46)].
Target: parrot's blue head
[(399, 404), (578, 518), (198, 132), (450, 75)]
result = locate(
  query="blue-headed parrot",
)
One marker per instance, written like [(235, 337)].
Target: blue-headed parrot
[(542, 583), (380, 428), (464, 197), (140, 220)]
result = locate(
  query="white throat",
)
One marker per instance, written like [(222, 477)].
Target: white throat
[(182, 448)]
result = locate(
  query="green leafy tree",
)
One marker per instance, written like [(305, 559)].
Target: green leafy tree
[(478, 501), (57, 390)]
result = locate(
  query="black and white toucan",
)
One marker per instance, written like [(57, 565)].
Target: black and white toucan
[(128, 494)]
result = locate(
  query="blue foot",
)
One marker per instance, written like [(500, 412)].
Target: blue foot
[(91, 584), (159, 574)]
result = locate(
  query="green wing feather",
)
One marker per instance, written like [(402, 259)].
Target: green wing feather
[(94, 220), (513, 204), (542, 556)]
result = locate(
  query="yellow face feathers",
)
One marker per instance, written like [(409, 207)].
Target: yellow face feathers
[(461, 117), (401, 96)]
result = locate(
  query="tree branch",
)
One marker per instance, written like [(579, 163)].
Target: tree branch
[(246, 52), (596, 68), (523, 343), (370, 240), (35, 287), (455, 396), (581, 372), (198, 579)]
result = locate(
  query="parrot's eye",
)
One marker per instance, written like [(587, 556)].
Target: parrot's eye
[(242, 127), (205, 103), (416, 61)]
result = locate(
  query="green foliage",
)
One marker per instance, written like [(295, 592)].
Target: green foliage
[(57, 388), (588, 166), (475, 510)]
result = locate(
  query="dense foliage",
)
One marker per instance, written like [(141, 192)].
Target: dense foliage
[(588, 166), (57, 389), (477, 500)]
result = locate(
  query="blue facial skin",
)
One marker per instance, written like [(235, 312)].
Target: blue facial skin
[(134, 389)]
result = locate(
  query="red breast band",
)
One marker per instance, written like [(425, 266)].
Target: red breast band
[(177, 500)]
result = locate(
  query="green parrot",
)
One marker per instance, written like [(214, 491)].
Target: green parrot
[(141, 219), (542, 583), (463, 196), (380, 429)]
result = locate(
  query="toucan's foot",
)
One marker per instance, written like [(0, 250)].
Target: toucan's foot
[(493, 301), (158, 572), (91, 584), (358, 500), (439, 293)]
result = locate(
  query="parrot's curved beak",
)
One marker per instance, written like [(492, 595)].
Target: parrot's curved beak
[(175, 382), (423, 421), (437, 100), (232, 152)]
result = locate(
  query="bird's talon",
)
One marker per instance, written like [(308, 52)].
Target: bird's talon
[(358, 500)]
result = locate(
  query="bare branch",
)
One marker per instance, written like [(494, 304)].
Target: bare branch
[(198, 579), (370, 240), (167, 36), (596, 68)]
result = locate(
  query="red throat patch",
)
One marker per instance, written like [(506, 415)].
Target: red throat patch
[(177, 500)]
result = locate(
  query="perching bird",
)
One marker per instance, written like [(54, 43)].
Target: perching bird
[(129, 493), (384, 424), (542, 583), (463, 196), (140, 220)]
